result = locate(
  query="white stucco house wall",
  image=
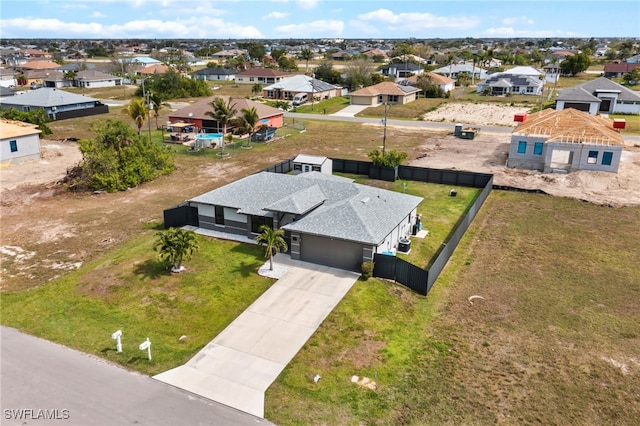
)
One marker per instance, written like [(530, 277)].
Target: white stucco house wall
[(18, 141)]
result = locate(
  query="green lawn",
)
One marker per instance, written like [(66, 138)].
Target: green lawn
[(127, 289)]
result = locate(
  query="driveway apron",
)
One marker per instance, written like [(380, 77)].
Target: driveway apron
[(238, 366)]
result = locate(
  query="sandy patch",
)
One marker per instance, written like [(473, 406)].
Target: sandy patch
[(476, 114)]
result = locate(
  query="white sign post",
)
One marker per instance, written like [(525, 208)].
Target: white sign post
[(116, 336), (146, 345)]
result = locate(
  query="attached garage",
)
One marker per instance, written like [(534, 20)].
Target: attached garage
[(331, 252)]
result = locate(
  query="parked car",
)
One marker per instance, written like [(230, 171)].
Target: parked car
[(299, 99), (264, 134)]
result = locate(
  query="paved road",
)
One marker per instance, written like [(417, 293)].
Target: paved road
[(77, 389)]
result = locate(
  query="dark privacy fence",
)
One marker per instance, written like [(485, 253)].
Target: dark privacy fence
[(421, 279)]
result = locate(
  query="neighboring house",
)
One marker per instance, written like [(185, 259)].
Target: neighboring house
[(37, 65), (223, 55), (36, 54), (512, 82), (262, 76), (445, 84), (454, 71), (304, 163), (140, 60), (76, 66), (57, 104), (153, 70), (327, 219), (600, 96), (635, 59), (18, 141), (8, 78), (287, 88), (619, 69), (385, 92), (215, 74), (341, 56), (93, 79), (401, 70), (565, 140), (371, 53), (196, 114)]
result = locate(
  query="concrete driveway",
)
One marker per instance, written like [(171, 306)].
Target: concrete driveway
[(350, 111), (238, 366)]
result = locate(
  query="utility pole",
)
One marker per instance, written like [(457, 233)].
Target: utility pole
[(384, 133)]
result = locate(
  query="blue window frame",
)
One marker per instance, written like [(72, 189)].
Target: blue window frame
[(607, 156), (522, 147), (13, 145), (537, 148), (593, 157)]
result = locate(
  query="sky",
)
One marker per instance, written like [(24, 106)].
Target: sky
[(311, 19)]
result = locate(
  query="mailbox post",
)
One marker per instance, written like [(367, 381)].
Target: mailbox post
[(117, 337), (146, 345)]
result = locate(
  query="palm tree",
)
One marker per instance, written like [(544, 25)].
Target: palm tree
[(306, 55), (174, 245), (256, 89), (273, 240), (137, 110), (223, 113), (158, 104), (250, 118)]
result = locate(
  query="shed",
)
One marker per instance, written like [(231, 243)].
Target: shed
[(312, 163), (18, 141)]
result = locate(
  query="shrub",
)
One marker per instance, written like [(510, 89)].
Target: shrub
[(367, 270), (389, 159)]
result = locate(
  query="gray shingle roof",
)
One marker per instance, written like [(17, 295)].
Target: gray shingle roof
[(599, 84), (336, 207), (48, 97)]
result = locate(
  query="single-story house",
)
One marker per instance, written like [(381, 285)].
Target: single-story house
[(56, 103), (600, 96), (327, 219), (565, 140), (8, 78), (154, 69), (215, 74), (18, 141), (454, 71), (513, 83), (94, 78), (445, 84), (619, 69), (38, 65), (287, 88), (196, 114), (401, 70), (262, 76), (385, 92)]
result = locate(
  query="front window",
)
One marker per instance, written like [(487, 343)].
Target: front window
[(219, 215), (593, 157), (537, 148), (522, 147), (258, 221), (607, 156), (13, 145)]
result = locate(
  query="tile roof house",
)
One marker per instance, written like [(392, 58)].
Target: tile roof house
[(262, 76), (287, 88), (599, 96), (327, 219), (385, 92), (38, 65), (154, 69), (446, 84), (18, 141), (56, 103), (565, 140), (196, 113)]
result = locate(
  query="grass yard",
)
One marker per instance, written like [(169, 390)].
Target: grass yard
[(555, 340), (127, 289)]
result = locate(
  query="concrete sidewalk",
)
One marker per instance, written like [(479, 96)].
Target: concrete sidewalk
[(238, 366), (350, 111)]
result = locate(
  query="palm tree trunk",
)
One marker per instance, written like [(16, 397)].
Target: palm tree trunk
[(271, 262)]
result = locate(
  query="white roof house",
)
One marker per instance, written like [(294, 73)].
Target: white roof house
[(289, 87)]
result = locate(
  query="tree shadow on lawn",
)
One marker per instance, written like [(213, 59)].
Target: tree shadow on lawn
[(150, 269), (254, 259)]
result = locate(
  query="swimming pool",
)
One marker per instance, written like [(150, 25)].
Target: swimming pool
[(208, 139)]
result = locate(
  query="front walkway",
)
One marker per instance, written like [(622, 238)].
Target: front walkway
[(238, 366)]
